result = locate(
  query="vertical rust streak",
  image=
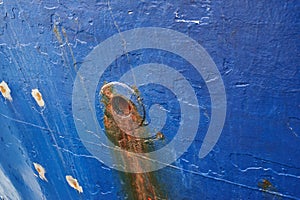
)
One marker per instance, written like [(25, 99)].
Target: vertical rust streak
[(141, 186)]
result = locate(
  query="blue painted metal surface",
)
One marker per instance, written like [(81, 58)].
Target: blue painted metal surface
[(255, 45)]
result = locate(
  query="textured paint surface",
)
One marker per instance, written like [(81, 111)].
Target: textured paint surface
[(255, 45)]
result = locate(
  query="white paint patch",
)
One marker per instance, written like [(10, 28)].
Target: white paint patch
[(74, 183), (38, 97), (5, 91), (7, 190)]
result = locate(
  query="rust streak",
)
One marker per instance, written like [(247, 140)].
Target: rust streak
[(141, 186)]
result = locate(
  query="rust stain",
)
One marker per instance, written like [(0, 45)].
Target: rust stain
[(266, 187), (3, 90), (70, 48), (265, 184), (141, 186), (61, 42)]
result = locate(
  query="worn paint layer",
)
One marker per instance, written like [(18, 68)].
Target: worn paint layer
[(255, 46)]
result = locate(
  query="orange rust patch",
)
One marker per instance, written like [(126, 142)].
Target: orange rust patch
[(38, 96), (160, 136), (3, 90), (265, 184)]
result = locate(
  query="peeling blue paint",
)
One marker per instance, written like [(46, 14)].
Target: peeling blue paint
[(255, 45)]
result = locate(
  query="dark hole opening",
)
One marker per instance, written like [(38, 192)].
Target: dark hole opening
[(121, 106)]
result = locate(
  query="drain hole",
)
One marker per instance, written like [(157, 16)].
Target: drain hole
[(121, 106)]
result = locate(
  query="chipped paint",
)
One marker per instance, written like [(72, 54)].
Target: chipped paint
[(188, 21), (41, 171), (74, 183), (241, 85), (38, 97), (5, 91)]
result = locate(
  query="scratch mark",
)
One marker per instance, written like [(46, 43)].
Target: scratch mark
[(267, 169), (51, 8), (202, 174), (188, 21), (24, 122), (292, 91), (57, 34), (228, 71), (205, 175), (74, 154), (202, 21), (290, 126), (124, 43), (240, 85), (70, 48), (212, 79), (80, 41)]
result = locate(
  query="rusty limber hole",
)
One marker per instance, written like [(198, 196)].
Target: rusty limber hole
[(121, 119), (119, 114)]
